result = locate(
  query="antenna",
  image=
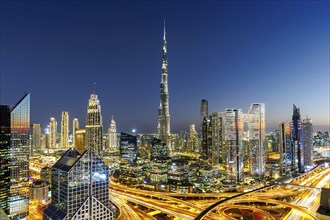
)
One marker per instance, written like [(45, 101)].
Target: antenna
[(94, 87), (164, 29)]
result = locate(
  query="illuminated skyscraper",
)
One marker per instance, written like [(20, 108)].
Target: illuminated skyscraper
[(217, 129), (193, 139), (52, 133), (112, 135), (19, 158), (4, 157), (296, 138), (233, 137), (204, 111), (65, 130), (75, 127), (163, 110), (80, 188), (158, 162), (256, 120), (284, 147), (36, 138), (94, 125), (307, 132)]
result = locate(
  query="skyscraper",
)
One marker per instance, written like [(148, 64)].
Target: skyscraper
[(285, 147), (193, 138), (233, 137), (4, 157), (307, 133), (65, 130), (19, 158), (112, 135), (256, 118), (75, 127), (217, 129), (94, 125), (36, 138), (204, 111), (80, 188), (296, 137), (163, 110), (52, 133), (158, 162), (128, 148)]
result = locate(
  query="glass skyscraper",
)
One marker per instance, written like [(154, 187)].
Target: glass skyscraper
[(80, 188), (158, 162), (296, 138), (19, 158)]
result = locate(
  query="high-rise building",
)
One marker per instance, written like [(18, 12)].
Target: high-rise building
[(80, 140), (75, 127), (233, 135), (205, 143), (284, 147), (52, 133), (4, 157), (163, 110), (217, 129), (36, 138), (65, 130), (112, 135), (307, 133), (19, 158), (128, 148), (80, 188), (296, 137), (94, 128), (256, 120), (193, 138), (158, 162), (204, 111)]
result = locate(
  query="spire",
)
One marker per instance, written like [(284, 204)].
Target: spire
[(164, 32)]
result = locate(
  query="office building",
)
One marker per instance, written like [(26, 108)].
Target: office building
[(256, 118), (80, 140), (307, 133), (128, 148), (112, 135), (206, 142), (4, 157), (193, 139), (178, 170), (284, 147), (80, 188), (233, 146), (296, 138), (75, 127), (204, 111), (36, 138), (19, 158), (52, 133), (158, 162), (163, 110), (94, 128), (217, 130), (65, 130)]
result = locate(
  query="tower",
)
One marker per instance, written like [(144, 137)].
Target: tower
[(36, 138), (75, 127), (256, 120), (204, 111), (307, 132), (163, 110), (65, 130), (94, 125), (112, 135), (19, 158), (296, 137), (52, 133)]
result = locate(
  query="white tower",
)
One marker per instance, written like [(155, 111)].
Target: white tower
[(112, 135), (53, 133)]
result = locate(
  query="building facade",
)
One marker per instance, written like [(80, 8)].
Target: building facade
[(75, 127), (296, 141), (256, 121), (65, 130), (80, 188), (19, 158), (94, 128), (307, 133), (158, 162), (163, 110), (112, 135), (52, 133), (36, 138), (204, 111), (4, 157), (284, 147)]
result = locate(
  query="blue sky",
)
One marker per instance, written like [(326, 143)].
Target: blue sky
[(231, 53)]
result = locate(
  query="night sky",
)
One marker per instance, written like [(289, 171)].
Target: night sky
[(231, 53)]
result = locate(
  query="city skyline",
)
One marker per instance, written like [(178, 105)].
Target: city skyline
[(225, 76)]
